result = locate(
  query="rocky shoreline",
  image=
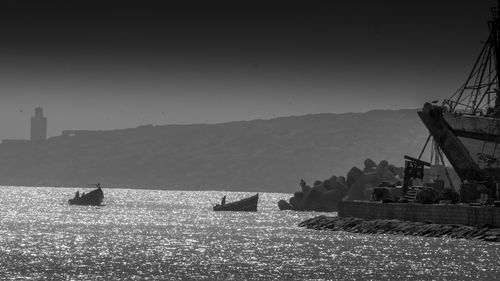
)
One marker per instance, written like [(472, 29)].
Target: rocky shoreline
[(384, 226), (324, 196), (359, 184)]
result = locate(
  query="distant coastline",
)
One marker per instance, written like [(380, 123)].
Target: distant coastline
[(260, 155)]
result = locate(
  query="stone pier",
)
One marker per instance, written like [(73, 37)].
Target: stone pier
[(431, 213)]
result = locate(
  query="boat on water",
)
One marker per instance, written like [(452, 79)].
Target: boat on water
[(93, 198), (245, 205)]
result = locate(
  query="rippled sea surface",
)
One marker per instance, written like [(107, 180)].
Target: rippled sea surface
[(175, 235)]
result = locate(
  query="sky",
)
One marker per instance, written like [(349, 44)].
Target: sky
[(121, 64)]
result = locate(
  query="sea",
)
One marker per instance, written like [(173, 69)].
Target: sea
[(175, 235)]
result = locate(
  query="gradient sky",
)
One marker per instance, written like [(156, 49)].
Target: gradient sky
[(123, 64)]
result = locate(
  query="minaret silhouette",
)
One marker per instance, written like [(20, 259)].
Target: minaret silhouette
[(38, 125)]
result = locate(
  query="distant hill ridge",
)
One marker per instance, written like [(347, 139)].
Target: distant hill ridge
[(258, 155)]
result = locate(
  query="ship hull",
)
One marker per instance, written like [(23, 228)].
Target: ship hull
[(244, 205), (470, 143), (480, 135), (477, 127), (93, 198)]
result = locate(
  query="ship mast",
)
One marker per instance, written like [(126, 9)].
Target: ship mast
[(495, 29), (480, 93)]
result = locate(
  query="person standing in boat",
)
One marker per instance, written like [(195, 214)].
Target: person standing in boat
[(223, 200), (99, 192)]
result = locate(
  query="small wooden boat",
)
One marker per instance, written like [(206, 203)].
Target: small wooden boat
[(245, 205), (93, 198)]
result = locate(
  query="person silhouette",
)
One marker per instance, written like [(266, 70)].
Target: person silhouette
[(302, 183)]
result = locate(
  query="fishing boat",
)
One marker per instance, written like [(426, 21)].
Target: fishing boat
[(466, 127), (93, 198), (245, 205)]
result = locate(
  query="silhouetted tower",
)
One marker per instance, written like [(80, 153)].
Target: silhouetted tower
[(38, 125)]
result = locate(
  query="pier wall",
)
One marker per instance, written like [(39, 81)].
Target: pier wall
[(442, 214)]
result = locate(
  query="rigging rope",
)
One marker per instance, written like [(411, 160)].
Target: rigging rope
[(425, 145)]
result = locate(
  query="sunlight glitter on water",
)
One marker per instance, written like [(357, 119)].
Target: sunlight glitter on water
[(175, 235)]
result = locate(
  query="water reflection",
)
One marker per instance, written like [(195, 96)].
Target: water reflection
[(174, 235)]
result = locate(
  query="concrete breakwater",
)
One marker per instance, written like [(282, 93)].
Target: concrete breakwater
[(394, 226)]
